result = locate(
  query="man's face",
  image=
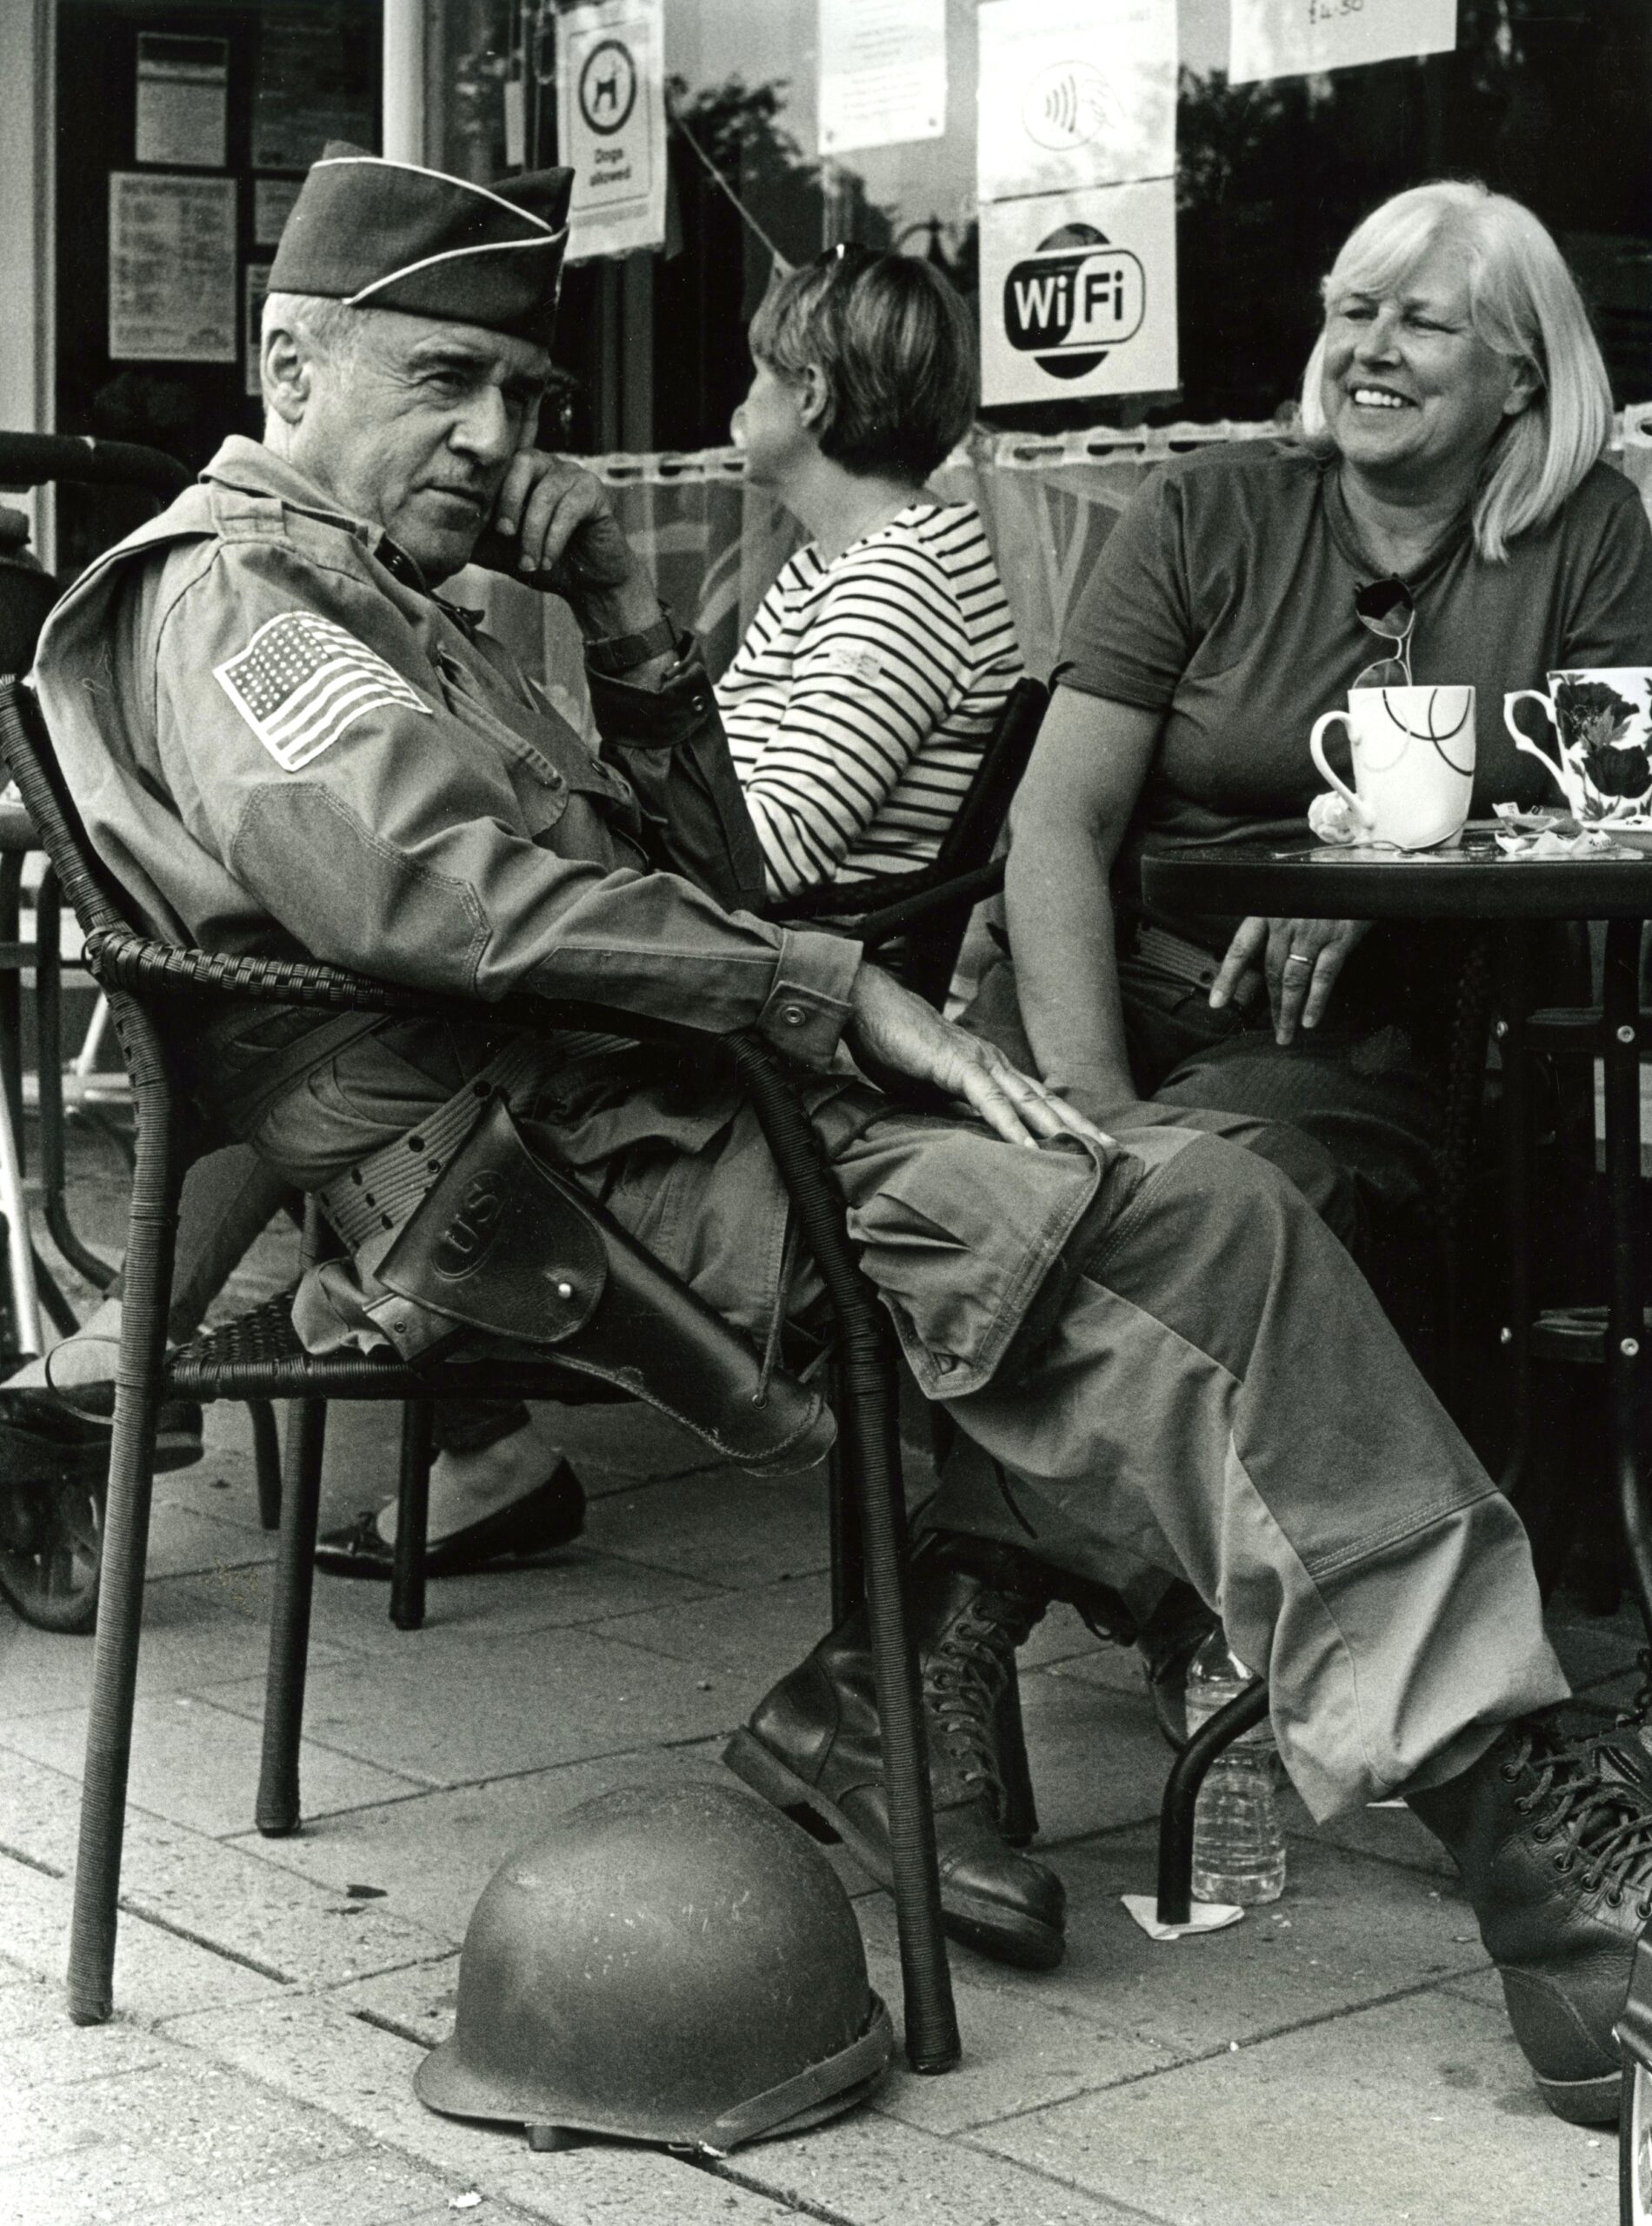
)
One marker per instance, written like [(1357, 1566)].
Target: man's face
[(414, 430)]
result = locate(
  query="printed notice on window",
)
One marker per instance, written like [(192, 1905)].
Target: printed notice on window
[(172, 291), (255, 284), (311, 85), (882, 72), (1079, 294), (272, 200), (1073, 93), (610, 110), (1291, 38), (182, 100)]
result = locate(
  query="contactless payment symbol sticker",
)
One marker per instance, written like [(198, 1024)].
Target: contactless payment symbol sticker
[(1067, 106), (1072, 301)]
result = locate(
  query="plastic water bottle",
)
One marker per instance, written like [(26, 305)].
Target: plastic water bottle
[(1238, 1848)]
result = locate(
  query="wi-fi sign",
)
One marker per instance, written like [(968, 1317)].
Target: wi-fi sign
[(1066, 105)]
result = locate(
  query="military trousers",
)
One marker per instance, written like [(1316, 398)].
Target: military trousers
[(1224, 1399), (1218, 1396)]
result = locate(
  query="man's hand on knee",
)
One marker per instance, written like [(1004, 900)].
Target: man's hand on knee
[(894, 1030)]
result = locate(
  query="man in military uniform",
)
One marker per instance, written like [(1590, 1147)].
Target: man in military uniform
[(284, 740)]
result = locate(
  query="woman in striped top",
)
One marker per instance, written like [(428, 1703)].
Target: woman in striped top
[(858, 705)]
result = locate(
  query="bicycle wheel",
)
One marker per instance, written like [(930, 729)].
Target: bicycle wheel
[(51, 1544)]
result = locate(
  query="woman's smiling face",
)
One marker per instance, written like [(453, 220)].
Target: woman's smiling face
[(1410, 391)]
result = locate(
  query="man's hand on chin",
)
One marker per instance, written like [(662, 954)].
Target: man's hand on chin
[(894, 1029), (552, 525)]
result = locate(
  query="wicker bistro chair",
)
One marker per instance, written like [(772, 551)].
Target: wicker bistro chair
[(50, 1538), (151, 987)]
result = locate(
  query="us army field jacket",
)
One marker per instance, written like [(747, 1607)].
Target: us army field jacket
[(282, 745)]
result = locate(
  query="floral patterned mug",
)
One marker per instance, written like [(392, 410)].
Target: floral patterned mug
[(1602, 718)]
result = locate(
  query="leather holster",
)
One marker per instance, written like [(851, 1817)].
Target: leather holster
[(506, 1245)]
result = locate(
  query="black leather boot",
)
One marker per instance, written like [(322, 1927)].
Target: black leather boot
[(814, 1743), (1553, 1836)]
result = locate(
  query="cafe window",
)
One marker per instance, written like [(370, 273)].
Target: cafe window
[(1544, 99), (183, 127)]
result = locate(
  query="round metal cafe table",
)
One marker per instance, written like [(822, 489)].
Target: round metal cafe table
[(1477, 883)]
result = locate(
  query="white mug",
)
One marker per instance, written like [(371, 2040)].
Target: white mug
[(1413, 751), (1602, 718)]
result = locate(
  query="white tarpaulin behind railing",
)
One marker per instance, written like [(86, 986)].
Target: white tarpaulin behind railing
[(714, 546)]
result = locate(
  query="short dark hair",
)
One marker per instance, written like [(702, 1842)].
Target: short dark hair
[(896, 346)]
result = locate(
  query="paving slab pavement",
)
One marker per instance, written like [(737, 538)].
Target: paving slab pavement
[(1419, 2110), (1340, 2060)]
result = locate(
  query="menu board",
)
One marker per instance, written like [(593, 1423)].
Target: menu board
[(172, 293)]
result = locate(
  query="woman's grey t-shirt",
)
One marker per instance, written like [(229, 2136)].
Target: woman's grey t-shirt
[(1224, 597)]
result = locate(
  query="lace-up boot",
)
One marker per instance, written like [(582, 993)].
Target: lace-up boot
[(814, 1743), (1554, 1839)]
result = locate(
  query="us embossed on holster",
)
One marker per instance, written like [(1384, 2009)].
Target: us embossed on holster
[(506, 1244)]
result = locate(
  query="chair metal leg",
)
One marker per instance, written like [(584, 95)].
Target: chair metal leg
[(11, 985), (53, 1304), (843, 1519), (1021, 1808), (1621, 1057), (869, 1422), (157, 1177), (932, 2042), (277, 1810), (1182, 1794), (412, 1516), (266, 1461), (99, 1272), (20, 1258), (1514, 998)]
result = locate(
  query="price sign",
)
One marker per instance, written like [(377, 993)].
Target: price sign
[(1292, 38)]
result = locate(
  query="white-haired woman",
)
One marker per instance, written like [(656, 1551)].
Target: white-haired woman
[(1453, 415)]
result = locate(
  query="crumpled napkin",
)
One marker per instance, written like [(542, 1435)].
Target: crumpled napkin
[(1333, 819), (1548, 835)]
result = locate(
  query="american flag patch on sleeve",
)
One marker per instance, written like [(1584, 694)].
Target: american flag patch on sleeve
[(301, 681)]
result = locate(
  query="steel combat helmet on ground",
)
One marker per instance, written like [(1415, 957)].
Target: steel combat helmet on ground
[(678, 1965)]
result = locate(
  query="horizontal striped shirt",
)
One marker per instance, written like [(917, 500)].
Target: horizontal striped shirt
[(858, 705)]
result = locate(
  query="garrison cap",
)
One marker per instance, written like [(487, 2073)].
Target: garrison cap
[(393, 236)]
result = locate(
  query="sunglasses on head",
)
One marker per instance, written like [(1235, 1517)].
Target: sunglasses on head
[(1386, 610)]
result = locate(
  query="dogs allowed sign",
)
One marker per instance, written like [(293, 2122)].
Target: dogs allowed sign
[(610, 122)]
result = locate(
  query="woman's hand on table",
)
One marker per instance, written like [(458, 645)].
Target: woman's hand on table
[(1299, 960)]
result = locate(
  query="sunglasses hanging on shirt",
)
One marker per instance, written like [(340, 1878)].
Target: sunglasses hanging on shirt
[(1386, 610)]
